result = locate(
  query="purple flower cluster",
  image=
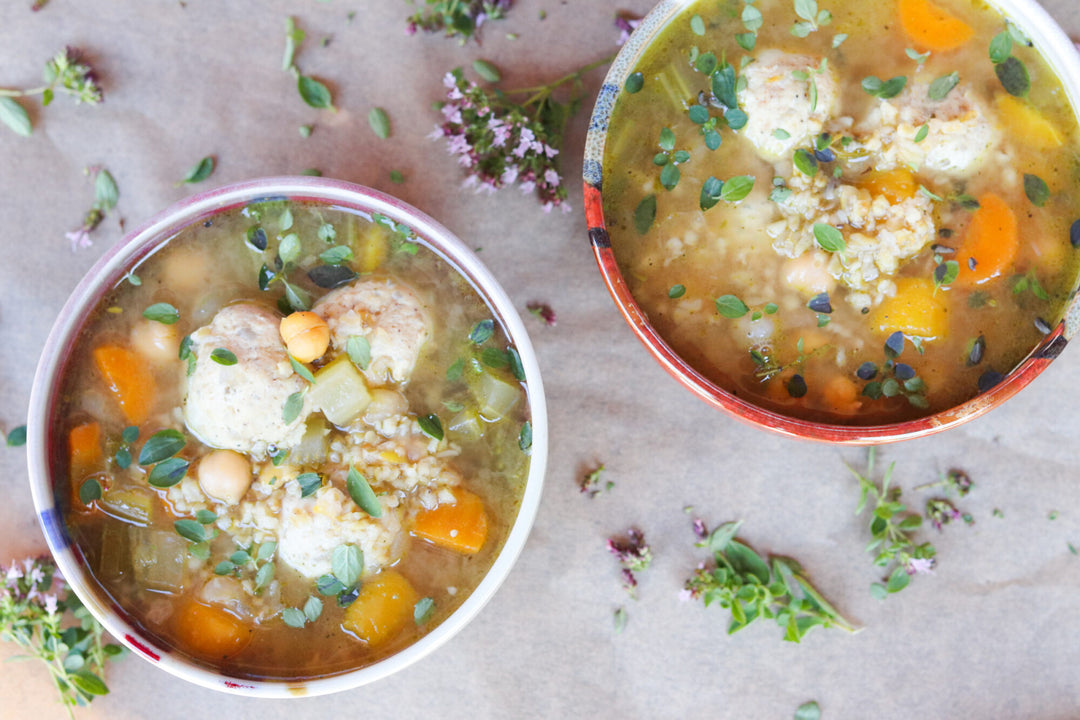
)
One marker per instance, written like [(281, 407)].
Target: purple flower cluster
[(499, 143), (462, 18), (634, 556), (28, 588)]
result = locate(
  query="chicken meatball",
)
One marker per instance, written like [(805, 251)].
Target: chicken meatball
[(389, 315), (784, 112), (240, 406)]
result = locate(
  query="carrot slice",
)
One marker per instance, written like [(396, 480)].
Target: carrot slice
[(461, 527), (382, 608), (932, 28), (84, 449), (210, 632), (990, 243), (897, 184), (127, 376), (914, 310)]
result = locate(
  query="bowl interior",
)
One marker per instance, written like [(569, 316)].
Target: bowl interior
[(1062, 57), (114, 266)]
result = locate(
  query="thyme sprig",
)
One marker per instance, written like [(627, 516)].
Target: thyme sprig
[(752, 588), (66, 72), (461, 19), (501, 141), (891, 526), (34, 601)]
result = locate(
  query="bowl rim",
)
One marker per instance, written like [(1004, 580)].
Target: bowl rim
[(112, 267), (1058, 52)]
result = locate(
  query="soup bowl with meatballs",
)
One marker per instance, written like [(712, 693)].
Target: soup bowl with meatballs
[(287, 437), (845, 221)]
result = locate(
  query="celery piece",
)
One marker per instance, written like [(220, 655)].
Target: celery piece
[(158, 559), (466, 424), (129, 504), (113, 560), (313, 446), (496, 397), (340, 392)]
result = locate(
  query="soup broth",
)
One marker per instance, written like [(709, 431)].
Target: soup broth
[(291, 498), (857, 215)]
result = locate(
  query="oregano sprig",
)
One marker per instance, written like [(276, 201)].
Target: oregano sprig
[(67, 72)]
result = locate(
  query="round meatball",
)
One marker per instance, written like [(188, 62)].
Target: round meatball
[(783, 112), (386, 313), (240, 406)]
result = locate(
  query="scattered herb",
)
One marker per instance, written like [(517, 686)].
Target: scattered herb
[(380, 122), (634, 556), (751, 588), (292, 407), (884, 89), (66, 72), (431, 426), (34, 605), (645, 214), (482, 331), (619, 618), (200, 171), (358, 349), (1013, 76), (459, 19), (812, 18), (891, 526), (314, 93), (942, 86), (676, 291), (809, 710), (634, 83), (805, 162), (423, 610), (731, 307), (592, 484), (829, 238), (486, 70), (542, 311), (16, 437), (161, 445), (106, 195), (1036, 189), (396, 177), (168, 472), (525, 437)]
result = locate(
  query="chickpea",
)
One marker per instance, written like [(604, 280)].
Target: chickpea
[(157, 342), (225, 475), (306, 335), (186, 270)]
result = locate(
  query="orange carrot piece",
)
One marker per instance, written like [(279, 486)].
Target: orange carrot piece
[(932, 28), (130, 380), (210, 632), (991, 240), (461, 527), (84, 450), (383, 607), (916, 309)]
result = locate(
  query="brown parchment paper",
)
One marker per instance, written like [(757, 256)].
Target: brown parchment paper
[(992, 633)]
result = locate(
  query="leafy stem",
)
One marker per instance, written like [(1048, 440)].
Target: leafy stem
[(542, 92)]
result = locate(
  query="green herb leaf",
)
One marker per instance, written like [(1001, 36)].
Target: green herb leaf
[(808, 711), (301, 370), (884, 89), (362, 494), (358, 349), (17, 437), (917, 56), (645, 214), (161, 445), (423, 610), (380, 122), (1001, 47), (264, 575), (839, 39), (327, 234), (943, 85), (829, 238), (667, 139), (697, 25), (294, 36), (90, 491), (328, 585), (314, 93), (190, 529), (731, 307), (336, 255), (634, 83), (292, 407), (922, 133), (525, 437), (313, 608), (487, 71), (737, 188), (293, 617), (105, 191), (14, 116), (200, 171), (752, 20), (1013, 76), (347, 564), (431, 426), (805, 162), (163, 313), (669, 176), (309, 483), (223, 356), (89, 683), (456, 370), (168, 472), (1036, 189), (482, 331), (898, 580), (676, 291)]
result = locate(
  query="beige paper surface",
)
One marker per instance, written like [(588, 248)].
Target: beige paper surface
[(992, 633)]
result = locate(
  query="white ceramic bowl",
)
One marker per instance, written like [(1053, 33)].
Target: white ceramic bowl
[(114, 265)]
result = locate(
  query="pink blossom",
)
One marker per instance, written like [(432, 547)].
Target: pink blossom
[(509, 175), (920, 566), (452, 113), (449, 81), (686, 595), (50, 604), (80, 238), (525, 141), (552, 177), (13, 574)]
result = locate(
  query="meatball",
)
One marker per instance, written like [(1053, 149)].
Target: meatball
[(386, 313), (775, 100), (959, 132), (313, 527), (239, 407)]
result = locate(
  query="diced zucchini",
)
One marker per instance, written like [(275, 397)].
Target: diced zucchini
[(370, 245), (340, 392), (496, 397), (158, 559), (313, 446), (130, 504), (113, 560), (466, 424)]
